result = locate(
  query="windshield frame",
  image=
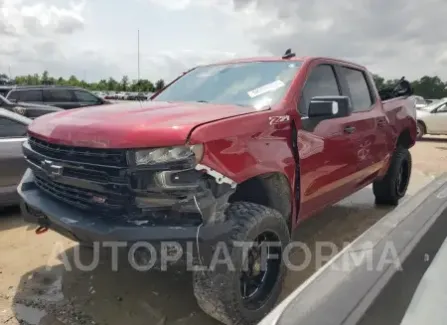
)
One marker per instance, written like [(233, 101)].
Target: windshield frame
[(297, 66)]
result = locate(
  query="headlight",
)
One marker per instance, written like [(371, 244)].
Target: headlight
[(168, 154)]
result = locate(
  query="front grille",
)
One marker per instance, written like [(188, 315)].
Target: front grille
[(104, 157), (83, 198), (91, 179), (99, 182)]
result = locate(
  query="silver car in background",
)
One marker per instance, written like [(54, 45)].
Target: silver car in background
[(419, 101), (13, 130), (432, 119)]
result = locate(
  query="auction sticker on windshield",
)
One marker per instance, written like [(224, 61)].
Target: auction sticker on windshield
[(266, 88)]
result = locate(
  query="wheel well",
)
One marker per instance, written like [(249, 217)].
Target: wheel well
[(271, 190), (425, 126), (405, 139)]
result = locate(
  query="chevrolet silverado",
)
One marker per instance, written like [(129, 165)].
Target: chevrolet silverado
[(237, 151)]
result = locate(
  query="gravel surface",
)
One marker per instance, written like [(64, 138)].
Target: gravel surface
[(36, 288)]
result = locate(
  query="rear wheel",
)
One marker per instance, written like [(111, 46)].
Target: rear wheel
[(391, 188), (420, 127), (249, 290)]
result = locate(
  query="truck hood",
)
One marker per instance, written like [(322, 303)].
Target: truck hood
[(130, 125)]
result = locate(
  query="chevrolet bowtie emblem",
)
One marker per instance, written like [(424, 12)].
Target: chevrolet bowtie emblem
[(51, 169)]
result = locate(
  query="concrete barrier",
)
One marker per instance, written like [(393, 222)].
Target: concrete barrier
[(342, 292)]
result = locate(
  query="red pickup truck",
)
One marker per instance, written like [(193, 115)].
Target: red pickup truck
[(239, 151)]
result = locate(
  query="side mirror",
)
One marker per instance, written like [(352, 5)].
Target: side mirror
[(329, 107)]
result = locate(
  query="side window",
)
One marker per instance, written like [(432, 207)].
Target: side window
[(58, 95), (442, 109), (14, 95), (84, 96), (358, 87), (31, 96), (11, 129), (321, 82)]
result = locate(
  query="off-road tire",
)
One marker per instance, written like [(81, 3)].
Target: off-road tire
[(218, 291), (421, 131), (388, 190)]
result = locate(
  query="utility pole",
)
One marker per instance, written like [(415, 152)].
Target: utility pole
[(9, 71), (138, 78)]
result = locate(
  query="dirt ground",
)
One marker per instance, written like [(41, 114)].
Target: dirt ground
[(36, 288)]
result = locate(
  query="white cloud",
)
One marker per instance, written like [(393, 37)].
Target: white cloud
[(98, 38), (393, 38), (42, 19)]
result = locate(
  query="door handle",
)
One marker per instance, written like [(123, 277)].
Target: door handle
[(381, 123), (349, 129)]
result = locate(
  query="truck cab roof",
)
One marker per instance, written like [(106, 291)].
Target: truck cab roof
[(302, 59)]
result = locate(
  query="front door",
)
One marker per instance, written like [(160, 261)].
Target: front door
[(84, 98), (324, 147), (60, 97), (438, 120)]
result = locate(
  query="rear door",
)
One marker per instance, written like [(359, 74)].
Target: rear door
[(368, 122), (60, 97), (12, 163), (325, 149)]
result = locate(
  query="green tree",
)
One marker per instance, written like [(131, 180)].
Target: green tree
[(73, 81), (379, 81), (124, 83), (430, 87), (112, 84), (159, 85), (427, 86), (45, 78)]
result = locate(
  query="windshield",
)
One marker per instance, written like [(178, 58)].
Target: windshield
[(420, 101), (256, 84), (433, 105)]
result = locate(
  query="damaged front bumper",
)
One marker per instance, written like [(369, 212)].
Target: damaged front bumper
[(86, 226), (99, 195)]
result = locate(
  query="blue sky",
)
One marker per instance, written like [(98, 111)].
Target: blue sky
[(98, 38)]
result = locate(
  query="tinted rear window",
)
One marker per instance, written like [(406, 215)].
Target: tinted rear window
[(31, 95), (58, 95), (358, 87)]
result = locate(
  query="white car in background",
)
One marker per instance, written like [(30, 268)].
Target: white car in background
[(419, 101), (432, 119), (121, 95)]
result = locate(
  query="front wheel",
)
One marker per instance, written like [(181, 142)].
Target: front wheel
[(391, 188), (245, 290), (420, 130)]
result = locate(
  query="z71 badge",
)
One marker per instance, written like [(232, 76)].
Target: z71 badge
[(279, 119)]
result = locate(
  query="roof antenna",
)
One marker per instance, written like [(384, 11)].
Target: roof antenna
[(288, 54)]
